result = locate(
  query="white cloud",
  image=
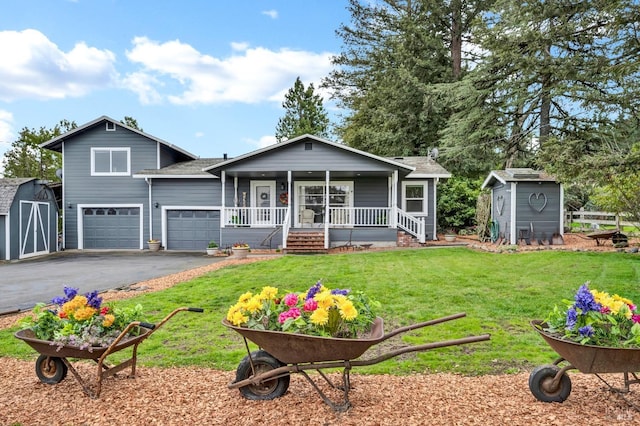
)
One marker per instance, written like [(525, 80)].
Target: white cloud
[(273, 14), (34, 67), (199, 135), (250, 75), (264, 141), (6, 135)]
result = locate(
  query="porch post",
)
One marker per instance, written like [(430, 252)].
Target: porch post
[(223, 213), (326, 208), (393, 222)]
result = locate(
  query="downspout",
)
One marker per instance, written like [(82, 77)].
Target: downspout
[(562, 215), (436, 181), (393, 222), (150, 184), (223, 215), (512, 231)]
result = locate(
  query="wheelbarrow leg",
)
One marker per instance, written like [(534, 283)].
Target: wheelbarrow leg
[(345, 388)]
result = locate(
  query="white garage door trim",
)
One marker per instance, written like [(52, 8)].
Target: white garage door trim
[(106, 206), (40, 230), (165, 232)]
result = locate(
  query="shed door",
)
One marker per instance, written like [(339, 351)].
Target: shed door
[(192, 229), (34, 228), (111, 227)]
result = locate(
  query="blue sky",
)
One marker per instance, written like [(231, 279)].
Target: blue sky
[(206, 75)]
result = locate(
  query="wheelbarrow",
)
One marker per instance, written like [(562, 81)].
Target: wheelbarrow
[(53, 363), (550, 383), (265, 374)]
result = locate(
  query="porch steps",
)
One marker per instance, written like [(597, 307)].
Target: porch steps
[(305, 242)]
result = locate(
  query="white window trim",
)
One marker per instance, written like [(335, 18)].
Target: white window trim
[(111, 127), (299, 184), (111, 150), (425, 204)]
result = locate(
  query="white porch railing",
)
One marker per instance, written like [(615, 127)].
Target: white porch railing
[(359, 216), (254, 217), (348, 217), (411, 224)]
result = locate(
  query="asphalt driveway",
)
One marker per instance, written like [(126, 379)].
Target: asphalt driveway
[(25, 283)]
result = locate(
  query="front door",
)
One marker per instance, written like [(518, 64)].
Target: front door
[(263, 197)]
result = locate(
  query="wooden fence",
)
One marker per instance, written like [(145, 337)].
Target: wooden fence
[(593, 220)]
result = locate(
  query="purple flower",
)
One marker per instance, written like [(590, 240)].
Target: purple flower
[(586, 331), (70, 292), (313, 290), (572, 318), (585, 301), (339, 291), (93, 299)]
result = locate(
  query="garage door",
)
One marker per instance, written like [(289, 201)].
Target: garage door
[(192, 229), (111, 227)]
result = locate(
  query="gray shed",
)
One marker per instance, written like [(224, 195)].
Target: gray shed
[(28, 218), (526, 206)]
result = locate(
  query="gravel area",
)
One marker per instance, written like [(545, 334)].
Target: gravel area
[(180, 395)]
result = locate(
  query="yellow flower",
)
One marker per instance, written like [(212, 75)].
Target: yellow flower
[(269, 293), (320, 316), (238, 318), (254, 304), (324, 299), (348, 311), (108, 320), (84, 313), (245, 297)]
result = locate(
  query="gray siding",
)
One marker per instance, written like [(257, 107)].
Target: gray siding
[(501, 207), (81, 187), (3, 238), (533, 209), (321, 157)]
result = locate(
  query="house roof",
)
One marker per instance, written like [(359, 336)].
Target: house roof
[(185, 169), (517, 175), (297, 139), (55, 144), (424, 167), (8, 189)]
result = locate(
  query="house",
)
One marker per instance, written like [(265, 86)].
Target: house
[(122, 187), (28, 218), (527, 205)]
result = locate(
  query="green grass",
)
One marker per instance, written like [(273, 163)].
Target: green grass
[(500, 293)]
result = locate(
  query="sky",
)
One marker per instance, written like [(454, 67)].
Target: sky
[(206, 75)]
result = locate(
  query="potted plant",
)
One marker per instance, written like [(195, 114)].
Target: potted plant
[(154, 245), (212, 248), (240, 249), (450, 235)]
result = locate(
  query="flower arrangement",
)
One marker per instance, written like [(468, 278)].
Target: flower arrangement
[(319, 311), (80, 320), (212, 244), (596, 318), (240, 245)]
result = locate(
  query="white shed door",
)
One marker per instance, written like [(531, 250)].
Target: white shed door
[(35, 228)]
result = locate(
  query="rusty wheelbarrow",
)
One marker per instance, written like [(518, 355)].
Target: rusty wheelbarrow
[(550, 383), (265, 374), (53, 363)]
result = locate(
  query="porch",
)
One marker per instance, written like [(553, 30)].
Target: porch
[(338, 218)]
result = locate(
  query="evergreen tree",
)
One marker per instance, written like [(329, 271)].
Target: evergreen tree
[(304, 113), (27, 159)]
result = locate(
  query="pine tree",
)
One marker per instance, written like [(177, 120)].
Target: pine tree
[(304, 114)]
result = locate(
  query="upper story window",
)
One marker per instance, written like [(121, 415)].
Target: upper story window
[(414, 197), (110, 161)]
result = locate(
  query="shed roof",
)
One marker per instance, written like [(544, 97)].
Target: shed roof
[(8, 189), (517, 175)]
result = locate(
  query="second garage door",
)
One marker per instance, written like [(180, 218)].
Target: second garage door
[(111, 228), (192, 229)]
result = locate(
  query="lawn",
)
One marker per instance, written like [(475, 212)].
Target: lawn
[(500, 294)]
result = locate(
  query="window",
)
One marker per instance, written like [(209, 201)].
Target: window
[(414, 197), (110, 162)]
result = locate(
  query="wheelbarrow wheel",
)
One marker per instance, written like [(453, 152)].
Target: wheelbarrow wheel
[(262, 362), (50, 370), (541, 384)]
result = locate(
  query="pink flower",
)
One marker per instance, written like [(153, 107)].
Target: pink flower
[(605, 310), (310, 305), (292, 313), (635, 318), (291, 299)]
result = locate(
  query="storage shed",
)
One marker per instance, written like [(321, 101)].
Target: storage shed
[(526, 207), (28, 218)]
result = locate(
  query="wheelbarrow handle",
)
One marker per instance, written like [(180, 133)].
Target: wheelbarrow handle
[(147, 325), (195, 310)]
